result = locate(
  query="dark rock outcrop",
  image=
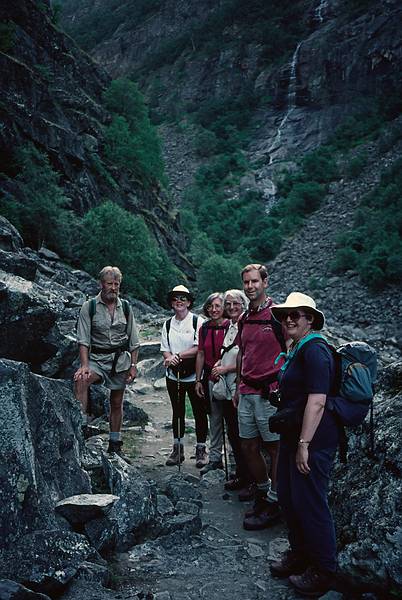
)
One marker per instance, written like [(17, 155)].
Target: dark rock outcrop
[(46, 561), (85, 507), (10, 590), (51, 95), (366, 498), (135, 512), (40, 450)]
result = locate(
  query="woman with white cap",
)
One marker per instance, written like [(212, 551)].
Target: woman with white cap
[(179, 346), (309, 438)]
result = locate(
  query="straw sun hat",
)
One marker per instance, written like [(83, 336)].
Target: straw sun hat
[(299, 300)]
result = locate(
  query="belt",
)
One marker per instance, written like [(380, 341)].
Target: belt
[(116, 350)]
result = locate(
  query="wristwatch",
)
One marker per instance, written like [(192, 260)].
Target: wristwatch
[(133, 365), (303, 441)]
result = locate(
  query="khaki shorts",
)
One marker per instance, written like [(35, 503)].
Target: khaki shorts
[(253, 414), (118, 382)]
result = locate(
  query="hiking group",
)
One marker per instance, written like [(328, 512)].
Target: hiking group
[(237, 365)]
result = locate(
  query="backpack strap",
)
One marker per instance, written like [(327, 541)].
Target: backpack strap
[(276, 327), (169, 322)]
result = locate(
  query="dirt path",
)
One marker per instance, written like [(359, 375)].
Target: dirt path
[(224, 561)]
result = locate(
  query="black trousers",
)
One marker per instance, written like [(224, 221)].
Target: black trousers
[(232, 430), (177, 394)]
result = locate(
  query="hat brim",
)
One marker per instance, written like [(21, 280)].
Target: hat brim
[(189, 296), (319, 319)]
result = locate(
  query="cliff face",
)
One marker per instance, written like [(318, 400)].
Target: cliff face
[(50, 94), (336, 57)]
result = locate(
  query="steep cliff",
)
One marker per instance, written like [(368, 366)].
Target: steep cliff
[(306, 65), (51, 95)]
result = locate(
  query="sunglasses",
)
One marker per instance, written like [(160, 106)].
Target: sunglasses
[(294, 315), (180, 298)]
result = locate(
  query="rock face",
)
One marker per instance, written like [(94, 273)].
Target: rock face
[(366, 497), (40, 450), (342, 56), (51, 95)]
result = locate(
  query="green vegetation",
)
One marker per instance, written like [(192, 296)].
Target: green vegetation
[(7, 35), (38, 208), (115, 236), (131, 140), (374, 246)]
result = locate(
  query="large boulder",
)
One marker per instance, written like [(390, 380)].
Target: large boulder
[(366, 496), (45, 561), (135, 512), (40, 450), (10, 239), (11, 590)]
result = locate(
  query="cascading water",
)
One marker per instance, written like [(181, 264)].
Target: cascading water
[(291, 101), (318, 13)]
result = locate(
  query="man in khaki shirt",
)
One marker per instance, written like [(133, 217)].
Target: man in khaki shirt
[(108, 346)]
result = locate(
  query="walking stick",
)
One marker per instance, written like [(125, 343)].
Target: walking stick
[(178, 419), (225, 456)]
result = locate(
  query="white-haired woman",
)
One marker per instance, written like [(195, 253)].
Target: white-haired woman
[(210, 340), (235, 303), (308, 443)]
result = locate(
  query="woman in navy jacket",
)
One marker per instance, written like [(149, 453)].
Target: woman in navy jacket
[(307, 449)]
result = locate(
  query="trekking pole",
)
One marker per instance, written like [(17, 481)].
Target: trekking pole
[(178, 420), (225, 456)]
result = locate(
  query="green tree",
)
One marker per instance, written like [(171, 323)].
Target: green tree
[(38, 206), (113, 235), (131, 139), (218, 274)]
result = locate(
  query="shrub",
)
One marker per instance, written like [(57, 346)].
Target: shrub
[(131, 140), (219, 273), (7, 35), (38, 206), (114, 236), (356, 165)]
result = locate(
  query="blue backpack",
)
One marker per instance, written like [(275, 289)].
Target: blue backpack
[(352, 393)]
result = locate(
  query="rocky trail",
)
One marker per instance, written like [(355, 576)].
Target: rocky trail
[(210, 557)]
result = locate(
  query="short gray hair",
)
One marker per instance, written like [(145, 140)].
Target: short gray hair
[(239, 295), (113, 271), (209, 300)]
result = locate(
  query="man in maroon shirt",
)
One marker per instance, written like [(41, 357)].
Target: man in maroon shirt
[(260, 341)]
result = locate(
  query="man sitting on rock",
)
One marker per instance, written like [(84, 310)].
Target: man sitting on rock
[(108, 345)]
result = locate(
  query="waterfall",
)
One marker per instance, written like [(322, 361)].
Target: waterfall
[(319, 9), (291, 101)]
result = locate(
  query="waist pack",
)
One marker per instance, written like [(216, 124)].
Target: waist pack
[(185, 368)]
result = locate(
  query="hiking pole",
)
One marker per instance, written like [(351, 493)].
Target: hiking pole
[(178, 420), (225, 456)]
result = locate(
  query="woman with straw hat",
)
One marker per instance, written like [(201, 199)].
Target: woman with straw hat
[(179, 347), (309, 438)]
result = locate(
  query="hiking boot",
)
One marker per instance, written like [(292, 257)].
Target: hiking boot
[(201, 457), (174, 456), (115, 447), (247, 493), (263, 514), (89, 431), (236, 483), (211, 466), (313, 582), (290, 563)]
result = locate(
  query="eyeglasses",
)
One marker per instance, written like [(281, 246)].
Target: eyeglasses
[(179, 298), (227, 304), (294, 315)]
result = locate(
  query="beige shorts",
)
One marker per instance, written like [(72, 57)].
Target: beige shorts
[(117, 382), (253, 414)]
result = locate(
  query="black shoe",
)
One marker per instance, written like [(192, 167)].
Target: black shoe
[(313, 582), (115, 447), (89, 431), (247, 493), (265, 514), (290, 563), (235, 484)]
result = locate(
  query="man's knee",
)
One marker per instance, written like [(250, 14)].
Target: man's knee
[(250, 446), (272, 448), (116, 399)]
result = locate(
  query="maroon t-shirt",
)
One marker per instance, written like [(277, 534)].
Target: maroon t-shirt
[(210, 340), (259, 346)]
